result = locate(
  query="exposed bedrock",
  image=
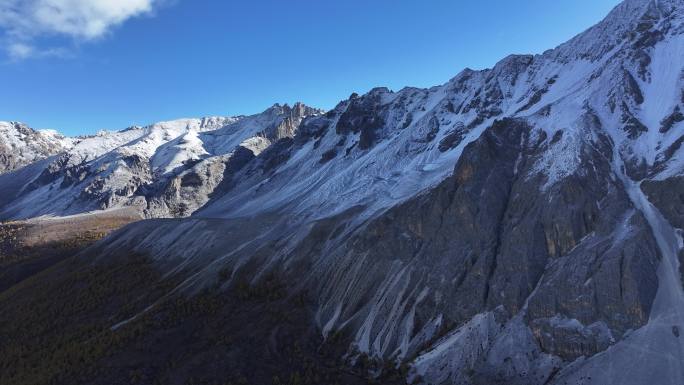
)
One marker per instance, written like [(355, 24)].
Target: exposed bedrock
[(486, 238), (668, 196)]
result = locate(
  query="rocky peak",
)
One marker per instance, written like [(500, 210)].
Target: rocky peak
[(16, 129), (297, 111), (618, 27), (513, 65), (21, 145), (301, 110)]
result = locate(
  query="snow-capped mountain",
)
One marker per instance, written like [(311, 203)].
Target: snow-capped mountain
[(21, 145), (516, 225), (166, 169), (383, 147)]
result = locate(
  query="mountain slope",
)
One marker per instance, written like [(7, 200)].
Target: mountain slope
[(516, 225)]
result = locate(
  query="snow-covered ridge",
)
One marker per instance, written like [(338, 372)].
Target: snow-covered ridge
[(384, 147), (624, 75), (132, 166), (21, 145)]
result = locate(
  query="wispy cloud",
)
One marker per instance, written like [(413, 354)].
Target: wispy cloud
[(19, 50), (23, 22)]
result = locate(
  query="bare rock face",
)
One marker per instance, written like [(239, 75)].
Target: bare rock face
[(668, 196), (193, 187), (487, 238), (286, 120), (363, 116), (471, 204)]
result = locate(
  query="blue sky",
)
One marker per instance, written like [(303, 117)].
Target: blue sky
[(112, 66)]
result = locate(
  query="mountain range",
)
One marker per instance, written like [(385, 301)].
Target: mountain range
[(521, 224)]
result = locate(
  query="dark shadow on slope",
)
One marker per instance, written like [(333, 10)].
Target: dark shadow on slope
[(56, 329)]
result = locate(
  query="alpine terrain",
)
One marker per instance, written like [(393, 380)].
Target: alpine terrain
[(517, 225)]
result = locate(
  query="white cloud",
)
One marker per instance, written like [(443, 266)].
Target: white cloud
[(19, 50), (24, 21)]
